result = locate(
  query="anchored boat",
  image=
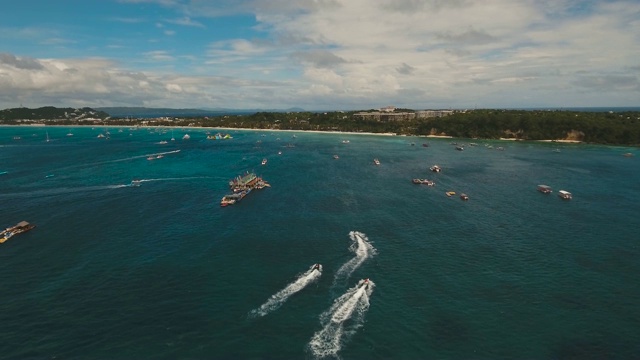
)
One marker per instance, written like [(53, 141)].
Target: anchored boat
[(19, 228)]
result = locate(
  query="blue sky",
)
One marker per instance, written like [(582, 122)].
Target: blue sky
[(320, 54)]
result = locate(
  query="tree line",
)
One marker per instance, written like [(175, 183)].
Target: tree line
[(614, 128)]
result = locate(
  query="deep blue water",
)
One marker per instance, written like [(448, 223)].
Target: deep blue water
[(162, 271)]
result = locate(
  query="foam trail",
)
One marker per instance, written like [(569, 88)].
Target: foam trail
[(336, 330), (280, 297), (116, 160), (363, 250)]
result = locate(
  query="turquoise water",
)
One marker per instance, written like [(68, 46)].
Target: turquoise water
[(162, 271)]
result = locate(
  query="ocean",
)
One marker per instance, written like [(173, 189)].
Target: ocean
[(161, 271)]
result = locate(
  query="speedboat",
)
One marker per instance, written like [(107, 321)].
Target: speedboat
[(464, 196), (135, 183), (435, 168), (545, 189), (565, 195), (264, 161), (376, 161)]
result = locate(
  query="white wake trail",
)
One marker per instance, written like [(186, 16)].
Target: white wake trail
[(336, 330), (281, 296), (363, 250)]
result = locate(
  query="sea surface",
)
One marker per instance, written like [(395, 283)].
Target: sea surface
[(161, 271)]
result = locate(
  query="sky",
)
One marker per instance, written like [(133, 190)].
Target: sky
[(320, 54)]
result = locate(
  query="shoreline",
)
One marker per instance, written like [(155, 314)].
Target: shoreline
[(334, 132)]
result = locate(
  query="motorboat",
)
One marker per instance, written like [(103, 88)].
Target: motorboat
[(565, 195), (264, 161), (545, 189), (435, 168), (135, 183), (336, 157), (464, 196), (376, 161), (450, 193)]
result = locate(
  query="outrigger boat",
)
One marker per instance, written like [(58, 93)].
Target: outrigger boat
[(423, 181), (19, 228)]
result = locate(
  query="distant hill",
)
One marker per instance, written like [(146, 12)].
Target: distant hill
[(51, 113), (159, 112)]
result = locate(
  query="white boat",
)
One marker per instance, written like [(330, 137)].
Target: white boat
[(345, 141), (336, 157), (545, 189), (264, 161), (162, 142), (47, 136), (565, 195), (376, 161), (435, 168), (172, 138), (186, 137), (135, 183)]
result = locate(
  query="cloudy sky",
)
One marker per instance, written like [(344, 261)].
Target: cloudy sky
[(320, 54)]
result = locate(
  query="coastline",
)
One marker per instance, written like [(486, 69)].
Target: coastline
[(282, 130)]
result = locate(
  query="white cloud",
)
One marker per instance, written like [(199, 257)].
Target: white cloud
[(364, 53)]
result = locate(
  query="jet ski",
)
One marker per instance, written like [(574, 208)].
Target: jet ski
[(366, 283)]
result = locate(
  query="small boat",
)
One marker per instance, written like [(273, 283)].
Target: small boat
[(186, 137), (336, 157), (435, 168), (459, 147), (425, 145), (545, 189), (100, 136), (565, 195), (423, 182), (159, 156), (627, 154), (450, 193), (345, 141), (376, 161), (464, 196), (162, 142), (264, 161), (151, 158), (279, 152), (135, 183), (19, 228), (69, 134)]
